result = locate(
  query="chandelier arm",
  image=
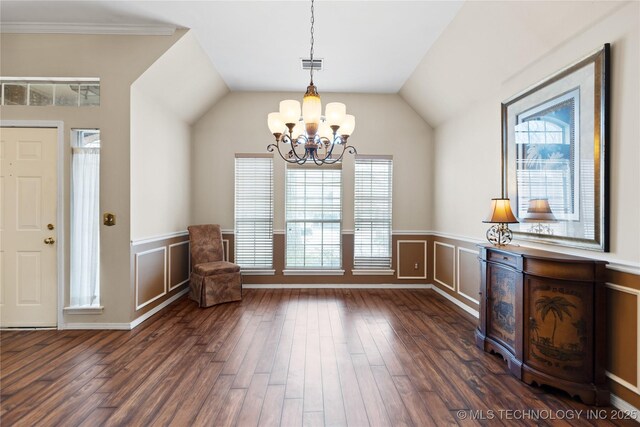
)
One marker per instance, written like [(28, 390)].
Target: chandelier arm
[(317, 160), (275, 147), (293, 149), (333, 144), (348, 148)]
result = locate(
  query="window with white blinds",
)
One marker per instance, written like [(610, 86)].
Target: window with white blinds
[(313, 215), (254, 212), (372, 211)]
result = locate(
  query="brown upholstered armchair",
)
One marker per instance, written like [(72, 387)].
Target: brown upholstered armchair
[(213, 281)]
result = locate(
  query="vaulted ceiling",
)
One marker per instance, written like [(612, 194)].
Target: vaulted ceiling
[(257, 45), (441, 56)]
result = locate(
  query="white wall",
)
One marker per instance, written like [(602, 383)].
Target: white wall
[(160, 165), (486, 44), (165, 100), (385, 124), (467, 143)]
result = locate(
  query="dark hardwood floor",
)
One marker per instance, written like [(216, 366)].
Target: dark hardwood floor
[(280, 357)]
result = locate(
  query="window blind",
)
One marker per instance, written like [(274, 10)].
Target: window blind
[(313, 215), (372, 212), (254, 212)]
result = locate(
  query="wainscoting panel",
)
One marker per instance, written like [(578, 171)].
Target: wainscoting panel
[(468, 274), (623, 328), (179, 264), (160, 269), (412, 259), (151, 276), (408, 249), (444, 264)]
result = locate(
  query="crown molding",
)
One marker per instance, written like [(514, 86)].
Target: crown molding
[(71, 28)]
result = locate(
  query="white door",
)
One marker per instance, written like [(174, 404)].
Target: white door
[(28, 262)]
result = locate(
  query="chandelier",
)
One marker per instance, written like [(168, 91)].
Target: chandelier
[(318, 135)]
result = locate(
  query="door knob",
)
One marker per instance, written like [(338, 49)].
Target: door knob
[(50, 226), (49, 241)]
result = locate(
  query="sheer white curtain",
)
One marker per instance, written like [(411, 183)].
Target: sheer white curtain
[(85, 228)]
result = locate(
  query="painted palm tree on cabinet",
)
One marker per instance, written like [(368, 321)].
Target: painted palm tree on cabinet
[(558, 306), (572, 342)]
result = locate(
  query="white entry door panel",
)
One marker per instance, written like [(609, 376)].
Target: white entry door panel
[(28, 193)]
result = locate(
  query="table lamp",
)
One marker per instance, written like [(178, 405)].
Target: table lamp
[(500, 215)]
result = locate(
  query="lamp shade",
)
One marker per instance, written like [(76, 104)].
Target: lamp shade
[(275, 123), (348, 125), (334, 113), (539, 211), (501, 212), (290, 111)]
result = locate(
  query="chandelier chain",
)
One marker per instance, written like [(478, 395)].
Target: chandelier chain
[(312, 41)]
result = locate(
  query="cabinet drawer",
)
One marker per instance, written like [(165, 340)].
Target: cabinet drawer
[(503, 258)]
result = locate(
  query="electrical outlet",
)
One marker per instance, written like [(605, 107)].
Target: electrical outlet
[(415, 266)]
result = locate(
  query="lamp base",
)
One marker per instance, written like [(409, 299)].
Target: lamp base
[(499, 235)]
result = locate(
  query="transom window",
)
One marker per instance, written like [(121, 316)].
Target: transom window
[(50, 91)]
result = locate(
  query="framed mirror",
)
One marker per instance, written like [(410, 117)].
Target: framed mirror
[(554, 156)]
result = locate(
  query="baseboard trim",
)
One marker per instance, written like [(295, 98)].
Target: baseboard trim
[(338, 286), (456, 301), (623, 405), (157, 308), (126, 326), (99, 326)]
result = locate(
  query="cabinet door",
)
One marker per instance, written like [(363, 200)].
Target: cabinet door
[(558, 334), (502, 311)]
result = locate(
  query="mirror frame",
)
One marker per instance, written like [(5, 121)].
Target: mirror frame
[(599, 111)]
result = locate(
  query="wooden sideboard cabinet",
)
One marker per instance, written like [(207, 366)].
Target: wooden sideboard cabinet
[(544, 313)]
